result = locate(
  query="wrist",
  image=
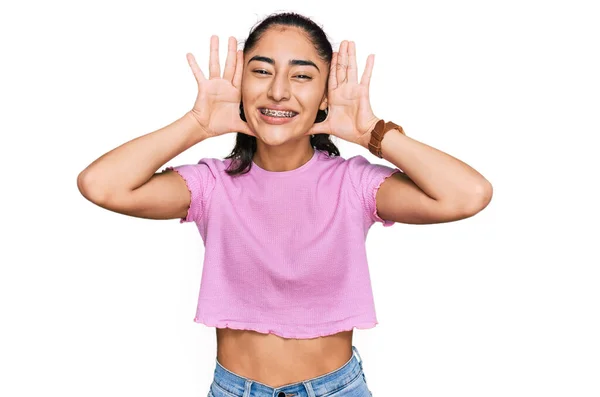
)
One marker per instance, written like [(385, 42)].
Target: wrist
[(198, 131), (366, 137), (364, 140)]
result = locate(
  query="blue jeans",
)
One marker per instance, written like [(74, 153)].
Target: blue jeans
[(347, 381)]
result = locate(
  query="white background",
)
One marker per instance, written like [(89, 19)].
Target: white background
[(506, 303)]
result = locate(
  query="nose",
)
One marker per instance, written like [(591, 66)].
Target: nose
[(280, 88)]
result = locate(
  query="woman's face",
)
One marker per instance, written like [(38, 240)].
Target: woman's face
[(274, 77)]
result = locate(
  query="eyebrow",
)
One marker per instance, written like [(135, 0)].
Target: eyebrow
[(292, 62)]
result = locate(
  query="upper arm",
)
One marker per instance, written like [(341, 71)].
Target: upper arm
[(164, 196), (177, 192), (401, 200), (388, 195)]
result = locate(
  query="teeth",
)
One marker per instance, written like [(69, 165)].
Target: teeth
[(277, 113)]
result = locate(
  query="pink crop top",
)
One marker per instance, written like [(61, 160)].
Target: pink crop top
[(285, 251)]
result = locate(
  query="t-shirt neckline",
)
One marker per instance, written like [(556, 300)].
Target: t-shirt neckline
[(303, 167)]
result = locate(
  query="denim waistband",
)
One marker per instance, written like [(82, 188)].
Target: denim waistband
[(241, 386)]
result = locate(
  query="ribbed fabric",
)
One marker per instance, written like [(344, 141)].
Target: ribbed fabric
[(285, 251)]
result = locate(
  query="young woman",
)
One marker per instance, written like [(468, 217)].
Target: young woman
[(284, 218)]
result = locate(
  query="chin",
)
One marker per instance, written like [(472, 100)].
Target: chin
[(272, 137), (274, 134)]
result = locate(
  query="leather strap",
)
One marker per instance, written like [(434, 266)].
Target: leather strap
[(380, 129)]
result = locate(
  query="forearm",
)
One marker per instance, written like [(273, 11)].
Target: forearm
[(132, 164), (440, 176)]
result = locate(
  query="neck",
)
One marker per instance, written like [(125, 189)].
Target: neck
[(279, 158)]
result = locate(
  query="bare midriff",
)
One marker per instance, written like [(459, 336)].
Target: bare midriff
[(275, 361)]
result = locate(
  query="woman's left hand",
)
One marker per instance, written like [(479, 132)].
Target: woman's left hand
[(349, 116)]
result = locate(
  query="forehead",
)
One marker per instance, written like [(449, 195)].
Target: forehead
[(283, 44)]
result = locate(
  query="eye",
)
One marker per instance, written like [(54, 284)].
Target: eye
[(264, 72)]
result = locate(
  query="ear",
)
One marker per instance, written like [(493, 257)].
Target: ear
[(323, 104)]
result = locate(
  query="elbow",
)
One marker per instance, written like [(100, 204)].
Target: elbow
[(81, 183), (485, 191), (90, 189), (480, 198)]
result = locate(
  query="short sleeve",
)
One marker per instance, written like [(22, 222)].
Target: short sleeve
[(200, 181), (366, 179)]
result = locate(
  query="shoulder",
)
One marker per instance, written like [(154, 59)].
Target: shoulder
[(331, 160), (212, 167), (357, 165), (351, 167), (365, 175)]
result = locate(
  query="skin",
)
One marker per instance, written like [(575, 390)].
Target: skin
[(434, 187), (143, 192), (283, 147), (268, 358)]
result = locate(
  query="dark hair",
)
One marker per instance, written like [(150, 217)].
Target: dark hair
[(245, 145)]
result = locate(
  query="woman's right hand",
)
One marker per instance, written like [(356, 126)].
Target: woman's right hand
[(218, 101)]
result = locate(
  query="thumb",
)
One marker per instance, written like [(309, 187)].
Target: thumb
[(244, 128), (319, 128)]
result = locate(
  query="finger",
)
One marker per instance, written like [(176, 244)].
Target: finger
[(239, 69), (195, 68), (342, 62), (244, 128), (366, 77), (318, 128), (352, 67), (213, 64), (333, 72), (231, 59)]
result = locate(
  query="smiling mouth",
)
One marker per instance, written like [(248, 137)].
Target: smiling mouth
[(278, 113), (277, 120)]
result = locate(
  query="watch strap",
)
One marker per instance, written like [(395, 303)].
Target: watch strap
[(380, 129)]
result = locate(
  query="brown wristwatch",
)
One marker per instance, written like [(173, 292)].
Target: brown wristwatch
[(381, 128)]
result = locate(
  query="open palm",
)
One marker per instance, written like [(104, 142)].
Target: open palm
[(350, 116), (217, 105)]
